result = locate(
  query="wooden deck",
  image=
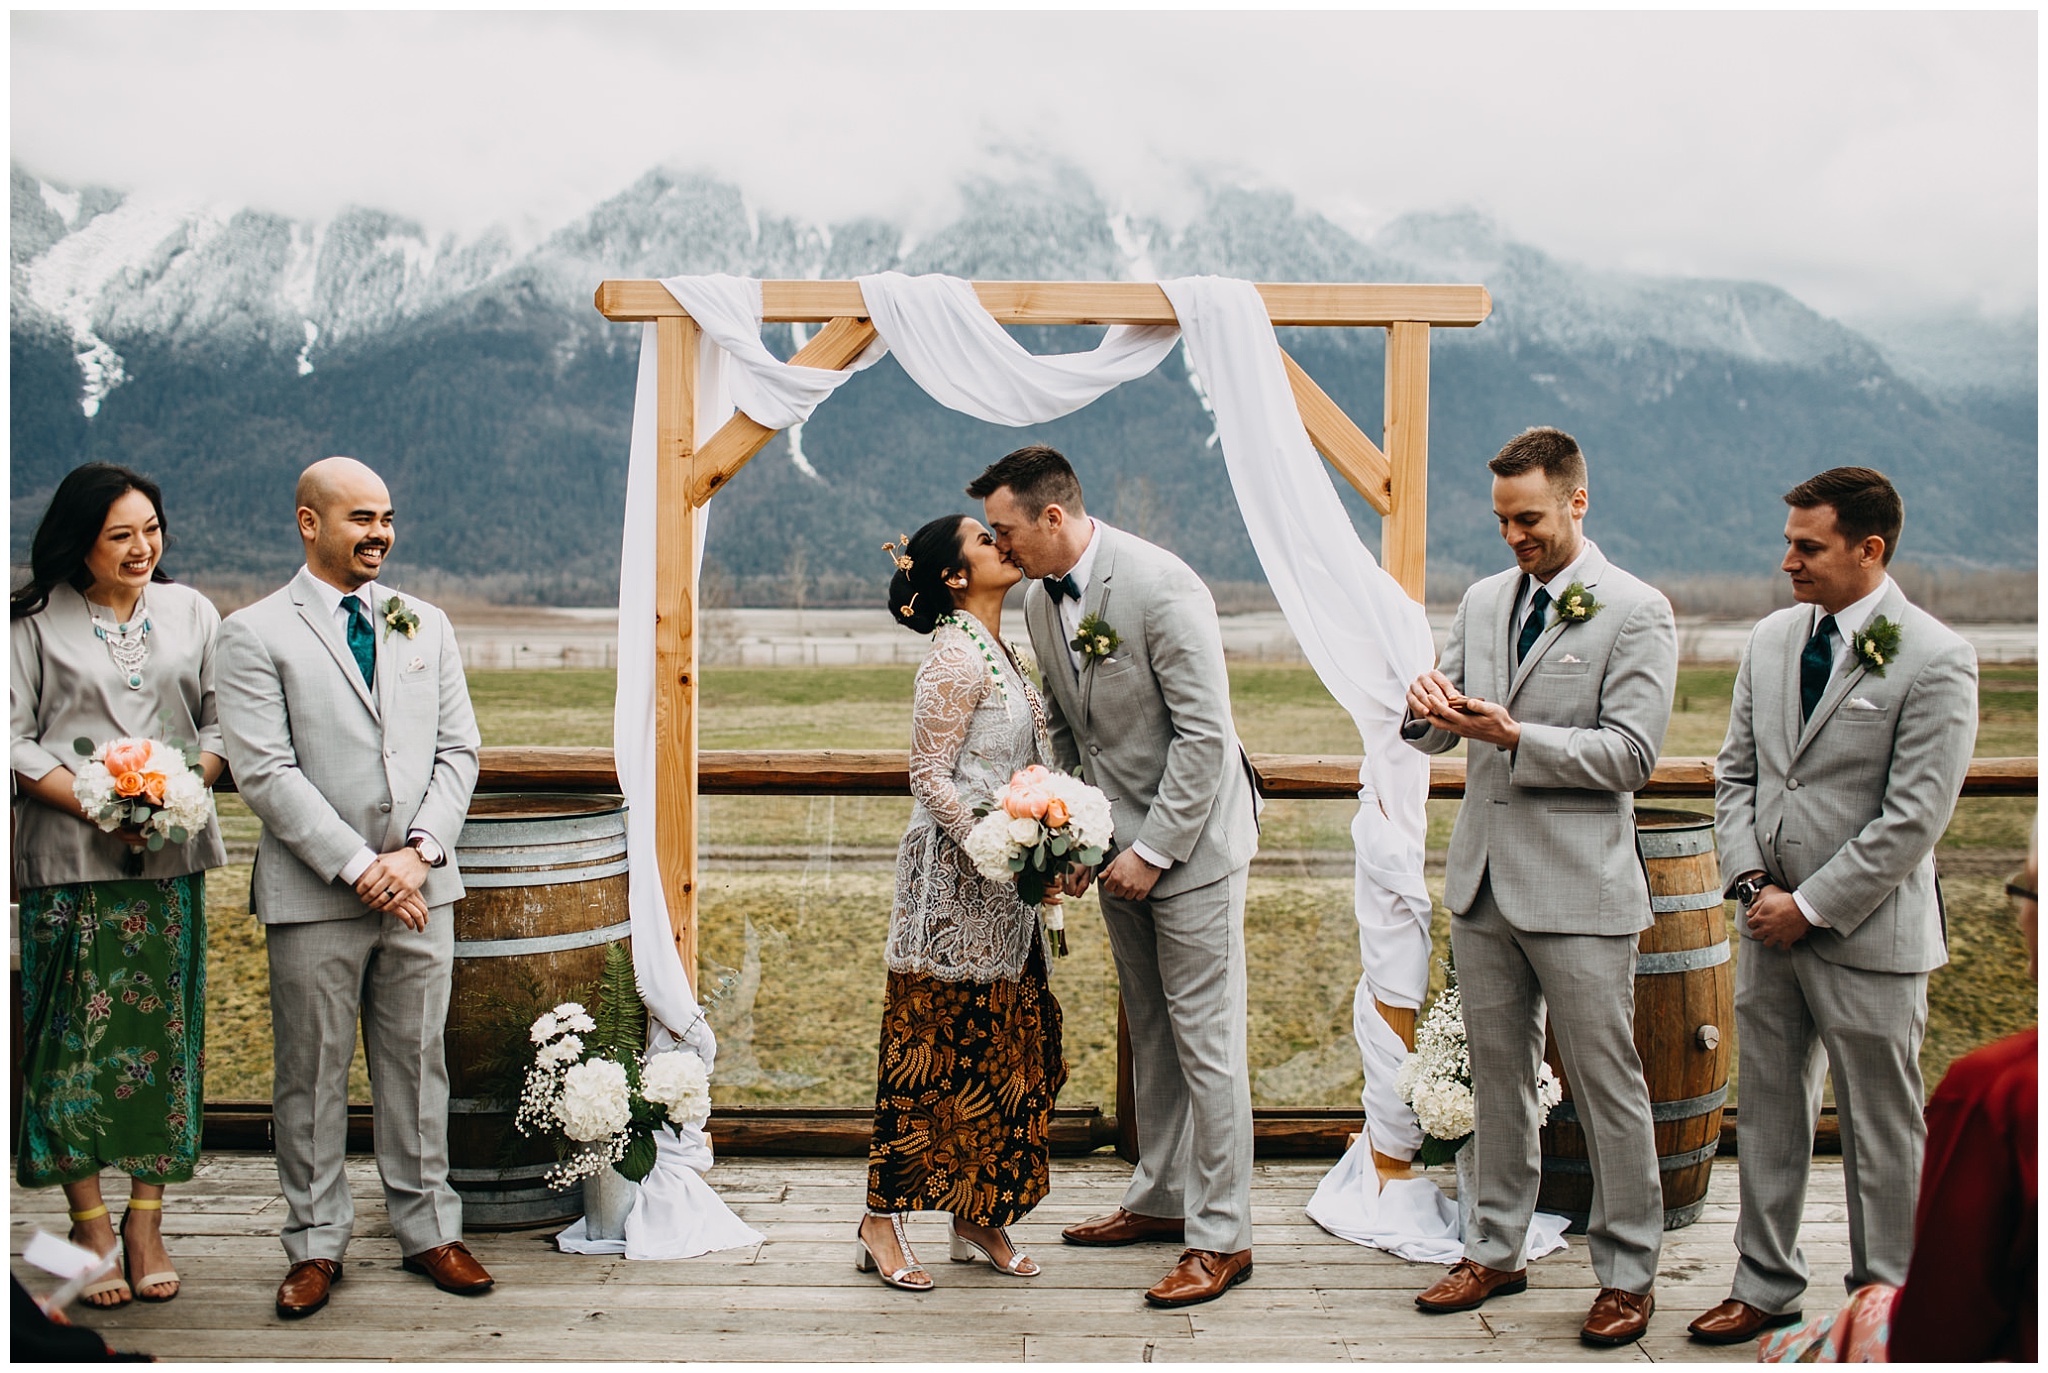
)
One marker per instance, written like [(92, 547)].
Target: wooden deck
[(796, 1298)]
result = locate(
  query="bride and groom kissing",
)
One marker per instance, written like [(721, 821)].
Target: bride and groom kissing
[(1138, 706)]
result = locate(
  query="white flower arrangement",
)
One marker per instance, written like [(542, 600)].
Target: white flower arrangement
[(594, 1090), (1436, 1080), (1037, 828), (146, 784)]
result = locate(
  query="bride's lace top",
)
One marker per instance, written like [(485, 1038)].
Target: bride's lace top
[(966, 740)]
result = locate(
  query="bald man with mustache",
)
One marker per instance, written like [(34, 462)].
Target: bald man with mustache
[(347, 723)]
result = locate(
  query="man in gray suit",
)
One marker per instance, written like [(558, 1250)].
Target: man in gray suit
[(1559, 674), (1854, 718), (1142, 711), (348, 727)]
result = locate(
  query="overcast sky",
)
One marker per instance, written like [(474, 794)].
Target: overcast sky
[(1871, 163)]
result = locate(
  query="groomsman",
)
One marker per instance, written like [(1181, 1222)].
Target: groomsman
[(348, 726), (1854, 718), (1559, 676)]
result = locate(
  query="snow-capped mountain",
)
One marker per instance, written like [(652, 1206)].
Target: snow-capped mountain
[(224, 347)]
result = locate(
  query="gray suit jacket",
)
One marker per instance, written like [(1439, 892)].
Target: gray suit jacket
[(1846, 808), (327, 765), (1553, 822), (1150, 725)]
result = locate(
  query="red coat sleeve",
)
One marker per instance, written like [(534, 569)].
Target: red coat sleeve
[(1970, 1291)]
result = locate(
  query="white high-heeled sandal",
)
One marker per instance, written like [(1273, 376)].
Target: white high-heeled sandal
[(864, 1258), (964, 1250)]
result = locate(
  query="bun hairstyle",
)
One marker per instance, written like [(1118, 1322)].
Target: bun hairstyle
[(918, 594)]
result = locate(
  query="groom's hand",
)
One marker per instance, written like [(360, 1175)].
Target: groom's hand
[(1430, 697), (1488, 722), (392, 879), (1129, 877)]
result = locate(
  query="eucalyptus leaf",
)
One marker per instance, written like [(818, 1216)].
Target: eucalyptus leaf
[(156, 842), (1089, 856), (1017, 863), (180, 835), (1058, 845), (1038, 858), (83, 746)]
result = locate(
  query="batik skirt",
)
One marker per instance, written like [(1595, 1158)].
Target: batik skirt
[(113, 985), (963, 1104)]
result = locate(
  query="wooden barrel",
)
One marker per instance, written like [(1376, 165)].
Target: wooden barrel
[(546, 883), (1685, 1017)]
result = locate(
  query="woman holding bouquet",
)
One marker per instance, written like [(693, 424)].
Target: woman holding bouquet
[(970, 1048), (113, 932)]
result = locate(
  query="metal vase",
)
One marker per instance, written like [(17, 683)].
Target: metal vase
[(607, 1198), (1468, 1190)]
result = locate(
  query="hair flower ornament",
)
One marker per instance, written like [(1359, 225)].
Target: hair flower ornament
[(899, 552)]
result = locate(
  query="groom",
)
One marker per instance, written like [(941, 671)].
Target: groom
[(348, 726), (1140, 707), (1558, 677)]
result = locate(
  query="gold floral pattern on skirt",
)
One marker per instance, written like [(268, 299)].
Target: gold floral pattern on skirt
[(963, 1106)]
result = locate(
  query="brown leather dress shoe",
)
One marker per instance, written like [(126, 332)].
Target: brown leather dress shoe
[(1126, 1227), (1201, 1275), (1734, 1321), (453, 1269), (1469, 1284), (304, 1289), (1617, 1317)]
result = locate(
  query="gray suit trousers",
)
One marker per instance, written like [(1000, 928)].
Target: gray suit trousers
[(1180, 963), (1507, 977), (1790, 1005), (324, 974)]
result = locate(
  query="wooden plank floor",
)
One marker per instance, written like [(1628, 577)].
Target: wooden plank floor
[(795, 1297)]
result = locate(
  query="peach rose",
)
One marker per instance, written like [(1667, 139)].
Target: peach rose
[(128, 784), (1055, 813), (127, 755), (153, 787)]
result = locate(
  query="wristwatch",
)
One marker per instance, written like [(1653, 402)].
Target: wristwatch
[(1750, 888), (430, 852)]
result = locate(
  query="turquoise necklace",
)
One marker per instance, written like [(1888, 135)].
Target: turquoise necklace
[(966, 624), (127, 644)]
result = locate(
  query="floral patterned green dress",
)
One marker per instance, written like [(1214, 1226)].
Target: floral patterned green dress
[(113, 979), (113, 948)]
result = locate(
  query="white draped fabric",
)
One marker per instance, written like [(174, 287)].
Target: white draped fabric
[(1362, 634), (676, 1215)]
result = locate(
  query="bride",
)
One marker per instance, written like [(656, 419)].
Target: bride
[(970, 1048)]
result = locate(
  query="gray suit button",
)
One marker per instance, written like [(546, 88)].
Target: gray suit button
[(384, 807), (1791, 784), (1094, 748)]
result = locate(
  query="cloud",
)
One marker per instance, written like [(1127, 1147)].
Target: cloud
[(1865, 161)]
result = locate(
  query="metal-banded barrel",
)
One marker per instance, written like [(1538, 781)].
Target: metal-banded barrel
[(1685, 1015), (545, 877)]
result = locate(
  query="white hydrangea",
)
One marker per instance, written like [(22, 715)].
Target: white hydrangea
[(1443, 1108), (595, 1101), (1549, 1091), (989, 848), (678, 1081), (1088, 810)]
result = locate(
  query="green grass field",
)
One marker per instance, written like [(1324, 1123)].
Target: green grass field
[(799, 1024)]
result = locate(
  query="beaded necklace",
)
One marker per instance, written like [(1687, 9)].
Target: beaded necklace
[(127, 644), (966, 624)]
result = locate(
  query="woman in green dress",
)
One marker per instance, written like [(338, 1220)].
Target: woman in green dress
[(113, 935)]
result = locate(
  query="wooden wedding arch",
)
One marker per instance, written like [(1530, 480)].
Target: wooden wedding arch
[(1393, 477)]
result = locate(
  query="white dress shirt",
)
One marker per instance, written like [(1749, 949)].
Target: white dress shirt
[(1849, 622), (1525, 597), (369, 593), (1069, 608)]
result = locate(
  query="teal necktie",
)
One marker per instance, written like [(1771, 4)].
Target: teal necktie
[(1816, 665), (1532, 628), (362, 640)]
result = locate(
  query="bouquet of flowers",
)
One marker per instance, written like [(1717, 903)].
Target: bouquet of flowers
[(1042, 825), (595, 1091), (143, 784), (1436, 1080)]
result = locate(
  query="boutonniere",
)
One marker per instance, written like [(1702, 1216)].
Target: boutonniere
[(1877, 645), (1096, 639), (1575, 605), (398, 616)]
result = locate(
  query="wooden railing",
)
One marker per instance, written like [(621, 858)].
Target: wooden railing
[(885, 772)]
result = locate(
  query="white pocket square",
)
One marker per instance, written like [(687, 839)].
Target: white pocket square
[(416, 665), (1863, 703), (1571, 658)]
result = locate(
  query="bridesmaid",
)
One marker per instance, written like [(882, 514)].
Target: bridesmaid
[(113, 943)]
